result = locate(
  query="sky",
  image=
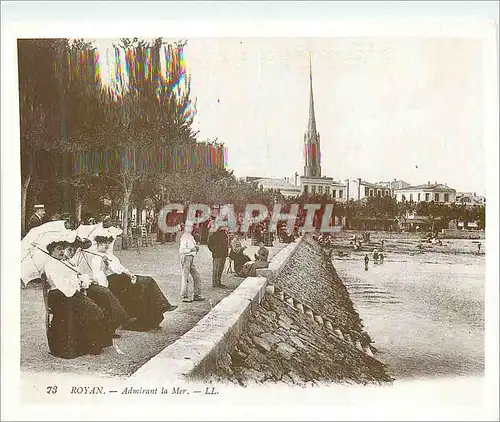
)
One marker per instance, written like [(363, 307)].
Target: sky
[(386, 108)]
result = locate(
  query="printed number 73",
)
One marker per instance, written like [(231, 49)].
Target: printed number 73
[(52, 389)]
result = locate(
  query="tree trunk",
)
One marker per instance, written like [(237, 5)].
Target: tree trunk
[(126, 204), (24, 193), (139, 216), (78, 209)]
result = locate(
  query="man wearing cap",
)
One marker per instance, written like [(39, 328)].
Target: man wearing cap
[(36, 219)]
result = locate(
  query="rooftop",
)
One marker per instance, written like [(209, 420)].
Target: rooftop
[(277, 183), (374, 185), (428, 186), (317, 178)]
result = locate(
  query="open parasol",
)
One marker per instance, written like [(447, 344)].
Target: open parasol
[(34, 252)]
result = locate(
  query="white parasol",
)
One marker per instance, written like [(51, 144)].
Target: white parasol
[(88, 231), (83, 257), (34, 252)]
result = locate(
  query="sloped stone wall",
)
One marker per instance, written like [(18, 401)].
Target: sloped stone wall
[(280, 344), (310, 277), (305, 331)]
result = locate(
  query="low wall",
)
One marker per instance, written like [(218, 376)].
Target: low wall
[(462, 234), (195, 354)]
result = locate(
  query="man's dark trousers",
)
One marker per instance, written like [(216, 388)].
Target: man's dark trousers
[(218, 268)]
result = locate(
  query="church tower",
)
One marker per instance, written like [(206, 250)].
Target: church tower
[(312, 152)]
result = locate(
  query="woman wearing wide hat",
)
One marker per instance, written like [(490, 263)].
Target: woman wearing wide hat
[(114, 313), (78, 325), (139, 295)]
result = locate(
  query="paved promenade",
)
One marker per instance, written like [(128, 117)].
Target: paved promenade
[(160, 262)]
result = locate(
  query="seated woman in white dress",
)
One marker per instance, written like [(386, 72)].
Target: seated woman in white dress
[(139, 295), (114, 313), (78, 326)]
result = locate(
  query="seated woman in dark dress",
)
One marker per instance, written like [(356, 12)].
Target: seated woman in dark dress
[(78, 326), (249, 269), (139, 295), (237, 255)]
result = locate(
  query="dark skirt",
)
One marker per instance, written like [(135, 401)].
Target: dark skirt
[(143, 300), (78, 325), (114, 314), (239, 259), (250, 268)]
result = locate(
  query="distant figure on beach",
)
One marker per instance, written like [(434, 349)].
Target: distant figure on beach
[(381, 257), (436, 241), (479, 247), (382, 243), (367, 259)]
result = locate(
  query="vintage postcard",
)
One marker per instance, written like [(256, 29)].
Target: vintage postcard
[(250, 218)]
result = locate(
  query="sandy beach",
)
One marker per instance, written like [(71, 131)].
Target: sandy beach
[(425, 311)]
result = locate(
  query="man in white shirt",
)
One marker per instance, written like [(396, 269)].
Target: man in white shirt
[(188, 250)]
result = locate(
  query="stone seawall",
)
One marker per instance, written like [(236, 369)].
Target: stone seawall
[(197, 352), (304, 332), (294, 323), (310, 277)]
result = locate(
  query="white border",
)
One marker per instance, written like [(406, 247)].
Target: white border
[(452, 399)]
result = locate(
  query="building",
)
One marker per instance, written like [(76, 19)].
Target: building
[(436, 192), (360, 189), (282, 186), (312, 182), (470, 199), (415, 223), (323, 186), (250, 179), (394, 184)]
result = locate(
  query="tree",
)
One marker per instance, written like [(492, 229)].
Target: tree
[(403, 209), (481, 217), (150, 110), (39, 106), (381, 208), (82, 120), (434, 211)]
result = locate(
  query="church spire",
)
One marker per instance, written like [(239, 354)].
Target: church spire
[(311, 127), (312, 152)]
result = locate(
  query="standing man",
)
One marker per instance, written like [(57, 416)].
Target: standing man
[(37, 218), (188, 250), (218, 244)]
